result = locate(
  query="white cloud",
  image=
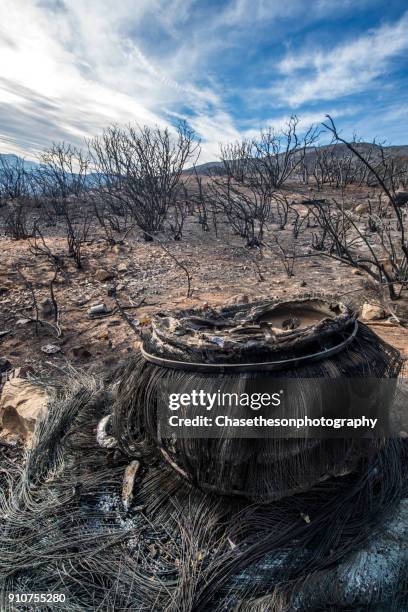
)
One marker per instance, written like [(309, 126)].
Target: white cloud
[(68, 70), (240, 12), (343, 70)]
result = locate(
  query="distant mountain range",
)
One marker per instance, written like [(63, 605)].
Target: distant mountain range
[(10, 158), (29, 165), (397, 151)]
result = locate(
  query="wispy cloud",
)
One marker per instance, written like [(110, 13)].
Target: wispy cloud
[(76, 69), (343, 70), (240, 12)]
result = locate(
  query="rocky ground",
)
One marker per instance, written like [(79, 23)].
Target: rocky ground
[(135, 279)]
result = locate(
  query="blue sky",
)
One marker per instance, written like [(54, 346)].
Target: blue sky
[(229, 67)]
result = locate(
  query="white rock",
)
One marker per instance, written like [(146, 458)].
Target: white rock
[(122, 267), (371, 312), (103, 438), (22, 404), (50, 349)]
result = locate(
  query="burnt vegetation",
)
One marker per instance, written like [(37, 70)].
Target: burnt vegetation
[(138, 181)]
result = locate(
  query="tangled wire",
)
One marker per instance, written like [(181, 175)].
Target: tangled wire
[(244, 349), (340, 545)]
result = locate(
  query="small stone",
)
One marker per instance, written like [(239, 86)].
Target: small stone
[(102, 275), (82, 302), (104, 435), (122, 267), (50, 349), (98, 309), (356, 272), (104, 335), (241, 298), (117, 249), (371, 312), (361, 209)]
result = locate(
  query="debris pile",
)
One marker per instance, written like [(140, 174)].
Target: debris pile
[(94, 512)]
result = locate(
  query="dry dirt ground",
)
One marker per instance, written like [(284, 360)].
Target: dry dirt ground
[(221, 271)]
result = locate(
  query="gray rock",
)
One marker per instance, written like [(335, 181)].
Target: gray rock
[(103, 275), (98, 309)]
